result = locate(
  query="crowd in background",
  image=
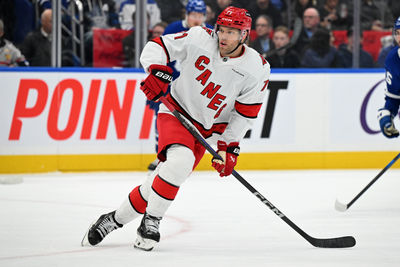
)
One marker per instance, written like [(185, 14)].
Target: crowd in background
[(288, 36)]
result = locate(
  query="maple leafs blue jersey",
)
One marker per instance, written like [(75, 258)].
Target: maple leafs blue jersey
[(392, 67)]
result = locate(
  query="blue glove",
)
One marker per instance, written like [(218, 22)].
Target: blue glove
[(385, 119)]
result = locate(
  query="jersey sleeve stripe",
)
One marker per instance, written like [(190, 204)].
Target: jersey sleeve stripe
[(160, 42), (389, 94), (248, 110)]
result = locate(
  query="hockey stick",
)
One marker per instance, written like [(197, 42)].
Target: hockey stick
[(343, 207), (338, 242)]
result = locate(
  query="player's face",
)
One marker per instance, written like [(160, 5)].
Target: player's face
[(396, 35), (280, 39), (228, 39), (195, 19)]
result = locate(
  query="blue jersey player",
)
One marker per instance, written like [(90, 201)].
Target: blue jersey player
[(195, 16), (391, 108)]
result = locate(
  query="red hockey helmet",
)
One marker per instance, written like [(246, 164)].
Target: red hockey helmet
[(235, 17)]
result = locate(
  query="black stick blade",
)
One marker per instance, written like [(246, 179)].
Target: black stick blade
[(338, 242)]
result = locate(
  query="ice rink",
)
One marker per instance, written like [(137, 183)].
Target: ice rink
[(213, 221)]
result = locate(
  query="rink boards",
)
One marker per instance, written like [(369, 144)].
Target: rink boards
[(96, 119)]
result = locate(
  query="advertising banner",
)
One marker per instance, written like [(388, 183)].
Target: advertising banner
[(103, 112)]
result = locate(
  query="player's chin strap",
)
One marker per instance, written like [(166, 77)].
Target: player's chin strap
[(241, 42)]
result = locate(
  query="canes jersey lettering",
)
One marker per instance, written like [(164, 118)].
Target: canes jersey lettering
[(219, 94)]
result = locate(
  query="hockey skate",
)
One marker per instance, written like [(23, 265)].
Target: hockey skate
[(98, 230), (148, 234)]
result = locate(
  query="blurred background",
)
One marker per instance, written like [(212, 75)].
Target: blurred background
[(288, 33)]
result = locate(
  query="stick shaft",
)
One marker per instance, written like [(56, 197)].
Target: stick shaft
[(374, 180), (194, 132)]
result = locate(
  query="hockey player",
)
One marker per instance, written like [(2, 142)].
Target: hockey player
[(195, 16), (391, 108), (220, 90)]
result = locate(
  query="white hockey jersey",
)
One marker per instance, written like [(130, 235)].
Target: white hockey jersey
[(220, 95)]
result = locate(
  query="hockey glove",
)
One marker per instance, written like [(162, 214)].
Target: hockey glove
[(156, 84), (385, 119), (229, 154)]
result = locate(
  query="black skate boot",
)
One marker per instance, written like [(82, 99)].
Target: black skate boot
[(98, 230), (148, 234)]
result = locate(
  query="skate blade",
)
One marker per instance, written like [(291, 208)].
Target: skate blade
[(85, 240), (144, 243)]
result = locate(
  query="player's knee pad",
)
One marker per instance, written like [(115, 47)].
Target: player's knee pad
[(178, 166)]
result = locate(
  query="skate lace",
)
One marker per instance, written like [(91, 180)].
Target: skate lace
[(151, 224), (106, 226)]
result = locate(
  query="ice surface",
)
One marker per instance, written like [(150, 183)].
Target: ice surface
[(213, 221)]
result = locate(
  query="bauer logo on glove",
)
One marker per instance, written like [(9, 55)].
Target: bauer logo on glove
[(165, 77), (156, 84)]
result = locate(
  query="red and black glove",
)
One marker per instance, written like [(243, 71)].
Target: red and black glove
[(229, 154), (156, 84)]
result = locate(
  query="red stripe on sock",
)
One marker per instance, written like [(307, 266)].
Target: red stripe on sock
[(137, 201), (164, 189)]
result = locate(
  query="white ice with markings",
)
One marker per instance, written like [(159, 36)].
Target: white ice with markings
[(213, 221)]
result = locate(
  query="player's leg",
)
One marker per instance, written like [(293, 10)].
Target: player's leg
[(172, 173), (177, 150), (132, 207)]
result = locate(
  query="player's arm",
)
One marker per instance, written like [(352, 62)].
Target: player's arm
[(155, 56), (165, 49), (392, 102), (247, 107)]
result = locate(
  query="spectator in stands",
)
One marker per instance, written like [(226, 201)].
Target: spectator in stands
[(335, 17), (385, 50), (171, 10), (319, 53), (299, 6), (345, 53), (37, 44), (128, 7), (264, 7), (394, 8), (280, 5), (10, 56), (20, 15), (128, 44), (370, 16), (210, 15), (282, 56), (158, 29), (102, 14), (310, 25), (195, 16), (262, 44), (218, 6)]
